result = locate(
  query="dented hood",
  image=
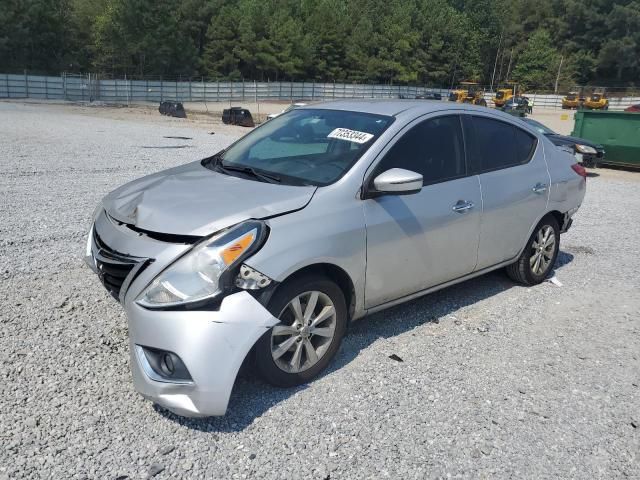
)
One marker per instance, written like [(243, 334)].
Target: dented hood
[(193, 200)]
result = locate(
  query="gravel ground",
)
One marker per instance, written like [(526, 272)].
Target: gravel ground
[(497, 380)]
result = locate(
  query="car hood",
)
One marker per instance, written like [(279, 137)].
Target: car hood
[(193, 200), (567, 140)]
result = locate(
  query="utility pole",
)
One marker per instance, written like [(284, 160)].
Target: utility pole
[(509, 67), (453, 76), (558, 76), (499, 77), (495, 65)]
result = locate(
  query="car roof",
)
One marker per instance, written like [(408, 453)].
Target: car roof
[(391, 107)]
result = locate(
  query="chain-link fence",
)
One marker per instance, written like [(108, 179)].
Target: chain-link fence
[(90, 87)]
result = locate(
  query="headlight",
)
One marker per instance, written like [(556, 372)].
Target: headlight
[(198, 274), (585, 149)]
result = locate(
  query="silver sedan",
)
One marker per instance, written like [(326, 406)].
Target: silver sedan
[(264, 252)]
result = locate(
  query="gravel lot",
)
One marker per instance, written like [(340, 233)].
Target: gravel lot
[(497, 380)]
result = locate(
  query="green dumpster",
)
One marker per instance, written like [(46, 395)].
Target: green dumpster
[(618, 132)]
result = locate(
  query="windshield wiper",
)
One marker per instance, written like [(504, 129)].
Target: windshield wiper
[(265, 177), (212, 162)]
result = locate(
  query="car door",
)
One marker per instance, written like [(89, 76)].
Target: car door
[(515, 185), (420, 240)]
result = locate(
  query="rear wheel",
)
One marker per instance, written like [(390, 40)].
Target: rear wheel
[(313, 319), (540, 254)]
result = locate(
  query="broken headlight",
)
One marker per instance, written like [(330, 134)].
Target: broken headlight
[(198, 275)]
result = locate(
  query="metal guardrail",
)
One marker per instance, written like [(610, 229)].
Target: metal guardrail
[(89, 87)]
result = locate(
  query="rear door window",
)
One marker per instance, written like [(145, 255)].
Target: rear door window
[(493, 144)]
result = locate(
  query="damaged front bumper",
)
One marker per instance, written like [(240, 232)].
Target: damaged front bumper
[(211, 344), (185, 360)]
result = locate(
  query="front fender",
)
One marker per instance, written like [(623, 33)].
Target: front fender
[(315, 236)]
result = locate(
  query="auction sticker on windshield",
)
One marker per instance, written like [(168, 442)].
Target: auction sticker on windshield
[(350, 135)]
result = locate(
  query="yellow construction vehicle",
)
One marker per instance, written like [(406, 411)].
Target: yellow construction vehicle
[(597, 100), (468, 92), (504, 94), (573, 99)]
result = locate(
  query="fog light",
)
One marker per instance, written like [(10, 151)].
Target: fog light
[(163, 365), (167, 364)]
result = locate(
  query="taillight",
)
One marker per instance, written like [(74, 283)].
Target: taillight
[(580, 170)]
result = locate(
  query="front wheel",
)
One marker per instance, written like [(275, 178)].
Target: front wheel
[(313, 319), (540, 254)]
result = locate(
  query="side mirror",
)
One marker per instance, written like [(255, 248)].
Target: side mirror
[(397, 181)]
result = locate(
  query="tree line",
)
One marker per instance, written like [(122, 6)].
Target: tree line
[(430, 42)]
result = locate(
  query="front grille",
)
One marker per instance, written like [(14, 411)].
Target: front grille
[(116, 270)]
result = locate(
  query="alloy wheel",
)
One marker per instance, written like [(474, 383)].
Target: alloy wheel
[(542, 250), (306, 330)]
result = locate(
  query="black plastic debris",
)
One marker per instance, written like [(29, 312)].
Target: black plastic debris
[(155, 469), (179, 138), (172, 109), (237, 116), (395, 357)]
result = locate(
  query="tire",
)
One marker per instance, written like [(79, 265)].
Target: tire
[(522, 271), (295, 365)]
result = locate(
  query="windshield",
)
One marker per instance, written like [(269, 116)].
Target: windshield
[(499, 95), (571, 96), (539, 127), (305, 146)]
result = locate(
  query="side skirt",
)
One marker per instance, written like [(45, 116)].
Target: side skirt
[(435, 288)]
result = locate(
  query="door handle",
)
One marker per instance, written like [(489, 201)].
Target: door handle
[(462, 206), (540, 188)]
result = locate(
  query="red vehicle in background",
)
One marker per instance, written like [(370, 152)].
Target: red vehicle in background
[(633, 108)]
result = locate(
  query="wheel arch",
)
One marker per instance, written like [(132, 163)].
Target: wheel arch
[(333, 272), (557, 215)]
